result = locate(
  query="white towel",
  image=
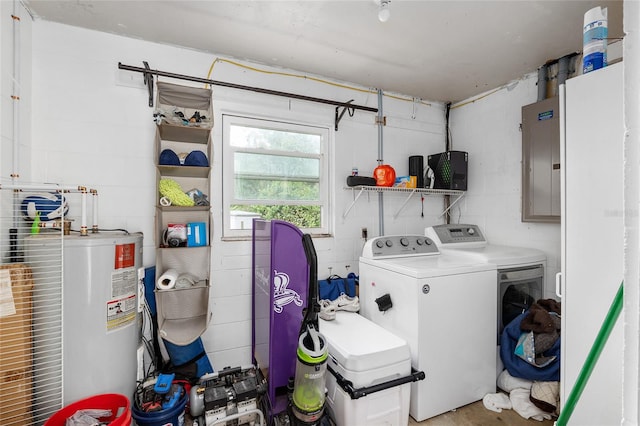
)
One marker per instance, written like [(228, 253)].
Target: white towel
[(185, 280), (523, 406), (507, 382), (496, 402)]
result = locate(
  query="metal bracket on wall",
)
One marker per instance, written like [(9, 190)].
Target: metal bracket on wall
[(148, 81), (381, 120), (344, 109)]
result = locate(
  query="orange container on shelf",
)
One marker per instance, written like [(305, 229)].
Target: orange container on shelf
[(385, 175), (118, 404)]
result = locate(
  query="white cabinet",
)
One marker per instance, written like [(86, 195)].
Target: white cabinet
[(592, 239)]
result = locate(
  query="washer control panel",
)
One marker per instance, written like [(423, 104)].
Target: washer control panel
[(452, 234), (399, 246)]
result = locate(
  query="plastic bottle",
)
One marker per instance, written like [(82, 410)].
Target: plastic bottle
[(594, 51)]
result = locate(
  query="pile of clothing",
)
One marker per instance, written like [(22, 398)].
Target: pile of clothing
[(534, 400), (530, 352)]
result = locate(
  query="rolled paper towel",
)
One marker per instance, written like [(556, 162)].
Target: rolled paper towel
[(167, 281)]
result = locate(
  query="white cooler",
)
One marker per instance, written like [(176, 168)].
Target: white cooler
[(369, 372)]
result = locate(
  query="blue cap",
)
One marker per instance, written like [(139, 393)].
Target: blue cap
[(196, 158), (169, 158)]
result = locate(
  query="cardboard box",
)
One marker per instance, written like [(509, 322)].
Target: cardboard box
[(406, 181), (15, 393), (16, 345), (15, 319)]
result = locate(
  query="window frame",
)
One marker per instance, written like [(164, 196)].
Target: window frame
[(274, 123)]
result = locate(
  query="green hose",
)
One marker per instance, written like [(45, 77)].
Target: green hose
[(592, 358)]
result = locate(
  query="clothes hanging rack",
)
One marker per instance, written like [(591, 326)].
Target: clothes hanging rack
[(149, 73)]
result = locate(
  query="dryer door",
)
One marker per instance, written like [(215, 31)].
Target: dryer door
[(519, 288)]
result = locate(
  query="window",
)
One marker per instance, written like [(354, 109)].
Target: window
[(274, 170)]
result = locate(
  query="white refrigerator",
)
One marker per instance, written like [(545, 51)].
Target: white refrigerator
[(592, 134)]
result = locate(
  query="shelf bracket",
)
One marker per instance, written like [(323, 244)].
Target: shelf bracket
[(344, 109), (148, 81), (451, 205), (395, 216), (397, 213), (353, 203)]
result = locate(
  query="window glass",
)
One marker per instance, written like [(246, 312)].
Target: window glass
[(274, 170)]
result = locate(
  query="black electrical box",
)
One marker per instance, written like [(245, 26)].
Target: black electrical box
[(450, 170)]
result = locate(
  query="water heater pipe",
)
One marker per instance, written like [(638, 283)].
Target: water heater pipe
[(56, 188), (83, 220), (94, 227), (41, 187), (13, 232)]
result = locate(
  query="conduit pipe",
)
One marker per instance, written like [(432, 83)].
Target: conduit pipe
[(563, 69), (380, 121), (542, 83)]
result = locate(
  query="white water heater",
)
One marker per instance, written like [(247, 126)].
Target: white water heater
[(101, 330)]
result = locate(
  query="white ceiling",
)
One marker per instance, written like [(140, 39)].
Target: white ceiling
[(434, 50)]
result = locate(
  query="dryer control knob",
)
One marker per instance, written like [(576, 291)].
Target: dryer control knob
[(428, 241), (471, 231), (389, 243), (379, 244), (419, 241), (404, 241)]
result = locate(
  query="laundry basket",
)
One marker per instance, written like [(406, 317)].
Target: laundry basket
[(118, 404)]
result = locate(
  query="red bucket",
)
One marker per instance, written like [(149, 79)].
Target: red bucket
[(118, 404)]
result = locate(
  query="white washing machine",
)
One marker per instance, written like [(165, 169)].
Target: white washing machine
[(444, 307), (519, 271)]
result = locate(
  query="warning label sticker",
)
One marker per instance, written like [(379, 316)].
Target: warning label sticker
[(121, 312), (124, 282), (122, 308), (125, 255)]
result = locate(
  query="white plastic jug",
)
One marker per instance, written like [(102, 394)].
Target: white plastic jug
[(594, 51)]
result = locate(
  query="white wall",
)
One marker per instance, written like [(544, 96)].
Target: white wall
[(488, 128), (92, 126)]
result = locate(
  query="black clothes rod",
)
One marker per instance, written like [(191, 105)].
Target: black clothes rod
[(149, 73)]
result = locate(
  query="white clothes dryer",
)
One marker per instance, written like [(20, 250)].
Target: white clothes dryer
[(444, 307), (519, 271)]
